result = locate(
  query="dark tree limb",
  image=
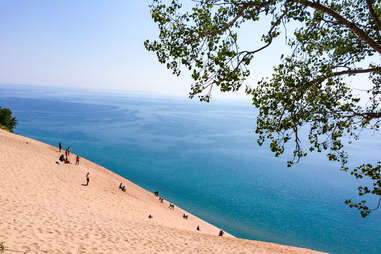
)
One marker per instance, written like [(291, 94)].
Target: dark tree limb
[(368, 116), (340, 19), (317, 6), (356, 71), (269, 35), (244, 7), (373, 14), (346, 72)]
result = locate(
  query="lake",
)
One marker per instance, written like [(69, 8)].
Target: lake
[(205, 159)]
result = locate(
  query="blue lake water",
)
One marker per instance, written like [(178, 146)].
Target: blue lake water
[(204, 158)]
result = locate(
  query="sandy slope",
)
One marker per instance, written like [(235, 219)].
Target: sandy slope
[(45, 209)]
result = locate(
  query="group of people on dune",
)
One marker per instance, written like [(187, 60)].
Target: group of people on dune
[(185, 216), (65, 159)]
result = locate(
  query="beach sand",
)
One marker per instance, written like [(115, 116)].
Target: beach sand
[(45, 209)]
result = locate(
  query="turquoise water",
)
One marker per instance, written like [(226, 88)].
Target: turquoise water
[(204, 157)]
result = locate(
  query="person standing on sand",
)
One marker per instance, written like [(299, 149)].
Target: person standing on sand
[(60, 146), (77, 160), (87, 179), (68, 151), (66, 154)]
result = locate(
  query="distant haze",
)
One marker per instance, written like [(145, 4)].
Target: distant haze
[(97, 44)]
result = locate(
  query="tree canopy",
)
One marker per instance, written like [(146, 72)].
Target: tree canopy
[(6, 119), (330, 42)]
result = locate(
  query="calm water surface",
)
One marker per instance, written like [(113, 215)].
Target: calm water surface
[(204, 157)]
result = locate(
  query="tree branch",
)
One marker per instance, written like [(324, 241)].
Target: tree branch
[(356, 71), (347, 72), (368, 116), (330, 21), (270, 36), (373, 14), (355, 29), (244, 7)]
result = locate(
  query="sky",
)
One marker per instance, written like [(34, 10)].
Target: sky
[(95, 44)]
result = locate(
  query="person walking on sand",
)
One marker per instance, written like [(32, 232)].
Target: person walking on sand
[(66, 155), (87, 179), (68, 151), (60, 146), (77, 160)]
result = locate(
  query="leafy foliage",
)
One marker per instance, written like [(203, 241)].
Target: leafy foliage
[(6, 119), (332, 41)]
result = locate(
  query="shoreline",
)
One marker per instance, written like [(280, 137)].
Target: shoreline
[(47, 201)]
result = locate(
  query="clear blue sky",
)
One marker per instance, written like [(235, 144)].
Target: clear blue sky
[(88, 43)]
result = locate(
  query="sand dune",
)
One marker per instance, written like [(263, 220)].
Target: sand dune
[(45, 209)]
